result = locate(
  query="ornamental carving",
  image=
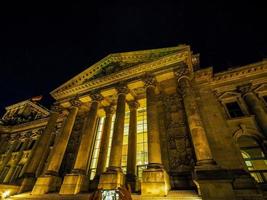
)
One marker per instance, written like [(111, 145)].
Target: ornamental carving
[(149, 80), (178, 141), (75, 102), (109, 110), (133, 105), (182, 70), (122, 88), (96, 96), (244, 89)]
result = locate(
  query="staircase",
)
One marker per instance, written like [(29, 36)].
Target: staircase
[(172, 195)]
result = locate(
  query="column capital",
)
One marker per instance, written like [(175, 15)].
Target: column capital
[(245, 89), (133, 105), (56, 108), (109, 110), (75, 102), (182, 71), (96, 96), (149, 80), (122, 88)]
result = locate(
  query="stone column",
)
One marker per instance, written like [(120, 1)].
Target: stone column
[(198, 133), (15, 163), (38, 152), (132, 144), (50, 182), (114, 177), (155, 179), (103, 153), (255, 105), (78, 181)]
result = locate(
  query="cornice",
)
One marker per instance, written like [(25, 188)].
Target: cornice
[(27, 125), (122, 75), (206, 76)]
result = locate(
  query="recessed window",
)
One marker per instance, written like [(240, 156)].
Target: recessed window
[(234, 110), (265, 98)]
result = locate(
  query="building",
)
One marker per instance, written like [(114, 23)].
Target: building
[(143, 123)]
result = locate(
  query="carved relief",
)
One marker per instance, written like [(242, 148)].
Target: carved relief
[(180, 151)]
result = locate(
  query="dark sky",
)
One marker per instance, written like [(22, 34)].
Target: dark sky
[(42, 46)]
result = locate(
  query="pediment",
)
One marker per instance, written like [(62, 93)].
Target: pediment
[(261, 88), (229, 95), (24, 111), (115, 63)]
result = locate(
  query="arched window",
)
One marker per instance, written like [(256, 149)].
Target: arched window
[(254, 158)]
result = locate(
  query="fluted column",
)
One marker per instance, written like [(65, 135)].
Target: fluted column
[(153, 138), (81, 161), (117, 139), (38, 152), (255, 105), (103, 153), (78, 181), (61, 145), (155, 180), (132, 143), (50, 181), (198, 133)]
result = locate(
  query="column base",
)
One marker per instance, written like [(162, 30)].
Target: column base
[(214, 183), (27, 184), (111, 180), (131, 181), (46, 184), (155, 182), (74, 184)]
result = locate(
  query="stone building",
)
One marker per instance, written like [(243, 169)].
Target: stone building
[(143, 125)]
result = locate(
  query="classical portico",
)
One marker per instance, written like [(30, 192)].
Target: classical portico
[(140, 122)]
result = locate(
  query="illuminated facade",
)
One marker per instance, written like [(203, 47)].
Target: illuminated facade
[(138, 125)]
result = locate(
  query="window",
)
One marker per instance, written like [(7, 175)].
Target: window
[(31, 144), (19, 146), (254, 158), (234, 110), (96, 148)]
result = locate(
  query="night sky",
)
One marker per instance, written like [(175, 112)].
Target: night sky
[(43, 46)]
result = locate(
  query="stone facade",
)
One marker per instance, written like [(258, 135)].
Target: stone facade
[(143, 125)]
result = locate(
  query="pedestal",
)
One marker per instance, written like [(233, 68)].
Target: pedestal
[(27, 184), (155, 182), (46, 184), (74, 184), (214, 184), (111, 180)]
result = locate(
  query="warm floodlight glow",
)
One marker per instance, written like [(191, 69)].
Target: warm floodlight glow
[(6, 194)]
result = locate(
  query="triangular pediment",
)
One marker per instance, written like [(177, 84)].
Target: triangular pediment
[(229, 95), (261, 88), (116, 62), (24, 111)]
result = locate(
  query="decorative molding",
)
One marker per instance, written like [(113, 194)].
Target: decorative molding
[(125, 74)]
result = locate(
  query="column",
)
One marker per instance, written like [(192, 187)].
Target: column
[(114, 178), (77, 181), (198, 133), (38, 152), (132, 144), (154, 152), (117, 139), (103, 153), (18, 157), (50, 182), (155, 179), (255, 105)]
